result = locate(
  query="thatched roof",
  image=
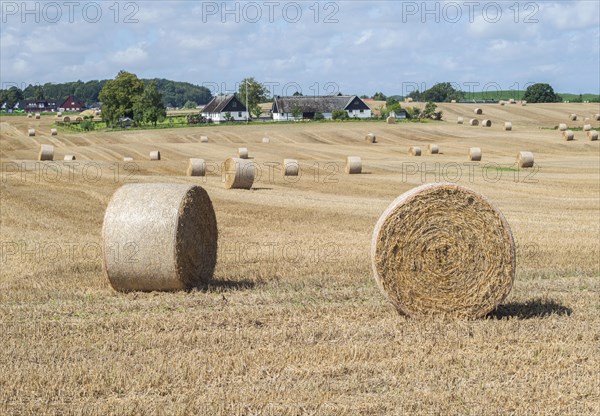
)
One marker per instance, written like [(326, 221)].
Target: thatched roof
[(317, 104), (223, 103)]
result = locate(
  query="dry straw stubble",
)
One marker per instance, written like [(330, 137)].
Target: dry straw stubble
[(443, 249), (239, 173), (166, 234), (525, 159)]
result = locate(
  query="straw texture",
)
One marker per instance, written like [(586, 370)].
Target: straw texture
[(587, 127), (353, 165), (155, 155), (166, 235), (31, 132), (460, 120), (371, 138), (474, 122), (127, 159), (290, 167), (243, 153), (525, 159), (391, 120), (475, 154), (69, 157), (53, 132), (414, 151), (592, 135), (562, 127), (266, 140), (486, 123), (239, 173), (573, 117), (433, 149), (196, 167), (478, 111), (46, 152), (568, 135), (203, 139), (442, 249), (507, 126)]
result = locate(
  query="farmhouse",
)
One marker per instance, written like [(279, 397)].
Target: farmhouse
[(36, 106), (290, 108), (224, 106), (71, 104)]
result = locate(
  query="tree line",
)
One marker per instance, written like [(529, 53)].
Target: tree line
[(174, 93)]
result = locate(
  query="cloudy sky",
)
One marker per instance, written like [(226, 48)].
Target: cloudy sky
[(356, 47)]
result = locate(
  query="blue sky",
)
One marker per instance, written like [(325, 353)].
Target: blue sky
[(356, 47)]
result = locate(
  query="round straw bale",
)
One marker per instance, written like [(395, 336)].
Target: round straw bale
[(452, 101), (587, 127), (38, 116), (478, 111), (562, 127), (203, 139), (166, 234), (239, 173), (69, 157), (66, 119), (243, 153), (266, 140), (391, 120), (475, 154), (29, 115), (127, 159), (592, 135), (196, 167), (408, 100), (31, 132), (597, 117), (59, 114), (502, 103), (78, 119), (568, 135), (486, 123), (371, 138), (512, 101), (525, 159), (290, 167), (414, 151), (353, 165), (523, 103), (46, 152), (155, 155), (507, 126), (442, 249), (53, 132), (460, 120), (573, 117), (433, 149), (474, 122)]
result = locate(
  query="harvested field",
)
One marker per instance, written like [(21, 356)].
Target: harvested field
[(294, 322)]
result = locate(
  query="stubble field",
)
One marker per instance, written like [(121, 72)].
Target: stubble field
[(294, 323)]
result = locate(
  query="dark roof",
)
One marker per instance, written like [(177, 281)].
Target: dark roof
[(69, 100), (224, 103), (318, 104)]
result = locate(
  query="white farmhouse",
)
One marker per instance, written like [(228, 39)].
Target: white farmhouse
[(298, 107), (222, 106)]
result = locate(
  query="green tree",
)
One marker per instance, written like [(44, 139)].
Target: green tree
[(11, 96), (319, 116), (379, 96), (298, 94), (541, 93), (190, 104), (392, 105), (257, 93), (39, 93), (429, 111), (256, 111), (119, 96), (149, 108), (442, 92), (339, 115)]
